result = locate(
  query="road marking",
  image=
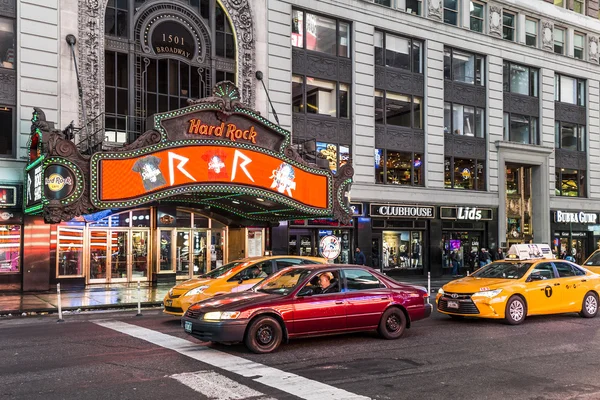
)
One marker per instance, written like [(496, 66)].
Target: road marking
[(218, 387), (281, 380)]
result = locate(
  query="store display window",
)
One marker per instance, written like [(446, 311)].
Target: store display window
[(10, 248), (402, 249)]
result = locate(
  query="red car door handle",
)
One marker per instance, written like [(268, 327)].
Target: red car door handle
[(384, 298), (339, 302)]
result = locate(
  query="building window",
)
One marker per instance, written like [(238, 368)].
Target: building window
[(400, 52), (325, 35), (520, 128), (531, 32), (335, 154), (398, 168), (578, 5), (464, 67), (559, 40), (520, 79), (319, 96), (395, 109), (411, 6), (115, 19), (7, 43), (477, 16), (464, 173), (578, 46), (464, 120), (570, 182), (69, 256), (10, 250), (508, 26), (117, 97), (569, 136), (451, 12), (224, 41), (569, 90)]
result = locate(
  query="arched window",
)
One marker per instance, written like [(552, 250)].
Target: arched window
[(173, 59)]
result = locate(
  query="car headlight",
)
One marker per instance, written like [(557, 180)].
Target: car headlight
[(218, 315), (488, 293), (195, 291), (441, 291)]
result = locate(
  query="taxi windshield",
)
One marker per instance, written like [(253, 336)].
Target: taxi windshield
[(216, 273), (594, 260), (503, 270), (283, 283)]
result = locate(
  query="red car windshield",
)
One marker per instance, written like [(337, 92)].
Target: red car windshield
[(284, 283)]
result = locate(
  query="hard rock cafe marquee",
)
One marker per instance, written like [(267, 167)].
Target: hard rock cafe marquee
[(202, 169)]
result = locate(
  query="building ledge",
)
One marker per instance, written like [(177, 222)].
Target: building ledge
[(528, 148)]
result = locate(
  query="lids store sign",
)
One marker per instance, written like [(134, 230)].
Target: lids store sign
[(581, 217), (466, 213)]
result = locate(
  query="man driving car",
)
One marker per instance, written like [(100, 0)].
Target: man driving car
[(325, 283)]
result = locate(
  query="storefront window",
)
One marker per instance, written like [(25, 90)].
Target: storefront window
[(460, 251), (402, 249), (165, 250), (98, 260), (10, 248), (344, 236), (336, 155), (70, 251)]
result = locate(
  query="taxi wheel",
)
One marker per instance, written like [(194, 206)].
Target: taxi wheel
[(264, 335), (392, 324), (589, 307), (516, 311)]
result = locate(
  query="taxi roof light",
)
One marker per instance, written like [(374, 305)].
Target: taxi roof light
[(530, 252)]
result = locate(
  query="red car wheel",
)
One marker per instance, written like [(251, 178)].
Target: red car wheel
[(264, 335), (392, 324)]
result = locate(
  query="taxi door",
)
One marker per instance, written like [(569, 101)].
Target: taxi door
[(575, 284), (543, 295)]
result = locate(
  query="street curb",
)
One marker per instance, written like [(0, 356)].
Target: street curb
[(149, 304)]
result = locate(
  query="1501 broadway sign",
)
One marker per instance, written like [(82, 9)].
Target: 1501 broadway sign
[(402, 211), (575, 217)]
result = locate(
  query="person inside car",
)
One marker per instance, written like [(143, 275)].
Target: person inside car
[(327, 283)]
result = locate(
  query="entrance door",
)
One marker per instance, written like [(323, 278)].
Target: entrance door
[(139, 262), (302, 243), (99, 263), (182, 253), (119, 256), (199, 252), (376, 251)]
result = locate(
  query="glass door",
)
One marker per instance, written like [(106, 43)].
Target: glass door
[(199, 252), (182, 253), (119, 252), (165, 250), (139, 262), (99, 263)]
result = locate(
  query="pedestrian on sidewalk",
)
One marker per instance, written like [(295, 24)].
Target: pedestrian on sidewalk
[(454, 260), (499, 255), (359, 257)]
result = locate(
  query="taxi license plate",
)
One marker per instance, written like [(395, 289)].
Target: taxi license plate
[(187, 326), (453, 304), (168, 303)]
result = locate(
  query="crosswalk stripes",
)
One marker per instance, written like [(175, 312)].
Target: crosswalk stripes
[(218, 387), (288, 382)]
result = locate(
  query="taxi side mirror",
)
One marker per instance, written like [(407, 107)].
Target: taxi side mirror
[(535, 277)]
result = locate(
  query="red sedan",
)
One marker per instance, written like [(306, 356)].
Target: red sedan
[(309, 301)]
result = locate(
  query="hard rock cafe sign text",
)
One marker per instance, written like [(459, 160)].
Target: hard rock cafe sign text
[(228, 131)]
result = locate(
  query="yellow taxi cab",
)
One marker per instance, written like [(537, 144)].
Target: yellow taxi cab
[(593, 262), (236, 276), (530, 281)]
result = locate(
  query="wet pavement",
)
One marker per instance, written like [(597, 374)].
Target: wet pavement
[(93, 297), (124, 296)]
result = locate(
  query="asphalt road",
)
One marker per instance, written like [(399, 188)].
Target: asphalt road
[(120, 356)]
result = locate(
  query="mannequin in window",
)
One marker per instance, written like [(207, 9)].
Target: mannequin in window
[(386, 255), (416, 252)]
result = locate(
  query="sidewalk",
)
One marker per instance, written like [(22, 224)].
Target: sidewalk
[(100, 297)]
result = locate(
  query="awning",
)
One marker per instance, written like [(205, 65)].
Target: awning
[(215, 154)]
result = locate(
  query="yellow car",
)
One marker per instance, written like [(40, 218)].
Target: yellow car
[(522, 285), (236, 276), (593, 262)]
